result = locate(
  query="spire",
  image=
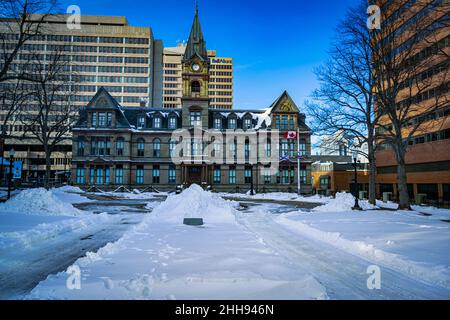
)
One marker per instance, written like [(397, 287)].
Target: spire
[(196, 44)]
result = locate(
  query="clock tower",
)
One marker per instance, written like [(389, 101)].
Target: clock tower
[(195, 63)]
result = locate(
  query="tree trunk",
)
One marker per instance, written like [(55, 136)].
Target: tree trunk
[(48, 167), (404, 203)]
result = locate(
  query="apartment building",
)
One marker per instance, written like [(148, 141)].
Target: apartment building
[(425, 51), (105, 52), (220, 72)]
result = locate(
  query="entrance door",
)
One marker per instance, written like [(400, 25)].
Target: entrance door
[(195, 175)]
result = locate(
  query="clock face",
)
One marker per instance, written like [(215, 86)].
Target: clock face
[(196, 67)]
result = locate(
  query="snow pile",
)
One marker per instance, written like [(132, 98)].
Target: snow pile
[(343, 202), (38, 202), (194, 202)]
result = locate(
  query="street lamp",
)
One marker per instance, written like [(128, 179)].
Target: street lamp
[(356, 188), (12, 153)]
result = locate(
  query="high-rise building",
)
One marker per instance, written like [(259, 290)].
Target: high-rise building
[(105, 52), (417, 33), (220, 82)]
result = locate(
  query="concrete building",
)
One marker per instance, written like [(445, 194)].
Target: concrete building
[(428, 154), (106, 52), (220, 83), (143, 148)]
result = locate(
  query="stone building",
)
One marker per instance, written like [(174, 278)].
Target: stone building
[(157, 148)]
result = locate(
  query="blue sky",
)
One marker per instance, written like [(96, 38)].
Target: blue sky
[(275, 44)]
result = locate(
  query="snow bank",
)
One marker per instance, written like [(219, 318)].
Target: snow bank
[(38, 202), (432, 274), (194, 202), (278, 196), (343, 202)]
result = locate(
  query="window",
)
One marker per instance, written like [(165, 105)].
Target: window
[(291, 123), (100, 146), (292, 149), (303, 176), (119, 175), (102, 119), (156, 172), (91, 176), (217, 175), (302, 150), (342, 150), (232, 123), (232, 175), (216, 149), (157, 123), (80, 175), (217, 123), (109, 119), (195, 87), (141, 122), (233, 151), (172, 147), (103, 175), (277, 122), (247, 150), (141, 148), (172, 174), (267, 175), (284, 122), (120, 144), (140, 175), (173, 123), (157, 148), (196, 119), (248, 175), (80, 147), (268, 149), (284, 148), (94, 120), (196, 147), (248, 123)]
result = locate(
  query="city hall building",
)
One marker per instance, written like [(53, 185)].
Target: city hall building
[(116, 147)]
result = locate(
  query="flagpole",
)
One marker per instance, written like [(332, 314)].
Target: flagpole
[(298, 163)]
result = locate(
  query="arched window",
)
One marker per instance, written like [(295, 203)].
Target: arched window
[(141, 147), (80, 146), (195, 85), (172, 147), (157, 148), (120, 145)]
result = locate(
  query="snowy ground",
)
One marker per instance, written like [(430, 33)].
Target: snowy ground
[(250, 251), (42, 232)]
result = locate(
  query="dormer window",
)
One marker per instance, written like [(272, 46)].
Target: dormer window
[(157, 123), (172, 123), (217, 123), (248, 123), (141, 122), (232, 123)]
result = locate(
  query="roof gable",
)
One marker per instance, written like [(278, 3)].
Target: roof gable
[(284, 104)]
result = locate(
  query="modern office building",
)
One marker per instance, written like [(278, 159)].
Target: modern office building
[(227, 150), (428, 155), (220, 82), (105, 52)]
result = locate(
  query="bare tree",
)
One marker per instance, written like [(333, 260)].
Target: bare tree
[(344, 103), (411, 79), (51, 118)]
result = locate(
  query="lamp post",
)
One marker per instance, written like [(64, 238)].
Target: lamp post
[(12, 153), (356, 189)]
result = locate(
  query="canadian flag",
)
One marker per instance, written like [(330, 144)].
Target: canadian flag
[(291, 135)]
